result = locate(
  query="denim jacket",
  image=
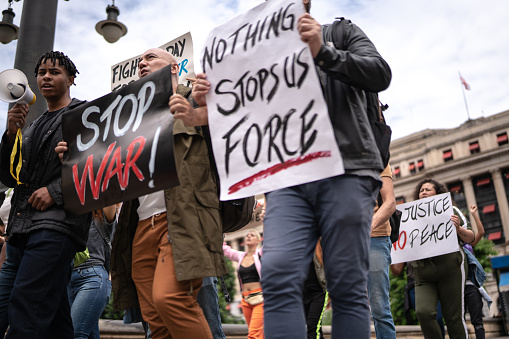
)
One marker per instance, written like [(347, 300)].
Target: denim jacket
[(476, 272)]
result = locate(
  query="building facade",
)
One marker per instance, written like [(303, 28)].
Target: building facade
[(472, 161)]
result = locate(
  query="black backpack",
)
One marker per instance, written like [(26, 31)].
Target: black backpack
[(395, 221), (235, 214), (381, 131)]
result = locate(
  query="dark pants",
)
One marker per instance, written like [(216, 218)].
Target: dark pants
[(314, 304), (39, 306), (7, 278), (339, 209), (473, 303)]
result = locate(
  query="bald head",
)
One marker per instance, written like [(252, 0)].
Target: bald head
[(153, 60)]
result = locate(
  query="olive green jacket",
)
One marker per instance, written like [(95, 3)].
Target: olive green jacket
[(194, 222)]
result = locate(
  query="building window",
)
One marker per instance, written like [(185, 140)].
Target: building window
[(488, 209), (447, 155), (474, 147), (455, 188), (420, 165), (397, 172), (502, 138), (457, 194), (483, 182), (411, 167), (495, 236)]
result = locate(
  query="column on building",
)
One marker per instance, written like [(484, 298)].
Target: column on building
[(501, 199)]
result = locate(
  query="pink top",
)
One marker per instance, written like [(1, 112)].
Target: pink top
[(238, 256)]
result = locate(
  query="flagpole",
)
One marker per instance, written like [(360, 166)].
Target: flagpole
[(464, 96)]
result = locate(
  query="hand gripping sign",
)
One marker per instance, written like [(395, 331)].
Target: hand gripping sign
[(120, 146), (426, 229)]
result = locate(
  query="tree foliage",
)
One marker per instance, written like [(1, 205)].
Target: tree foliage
[(483, 251)]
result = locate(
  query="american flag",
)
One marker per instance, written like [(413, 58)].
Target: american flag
[(464, 83)]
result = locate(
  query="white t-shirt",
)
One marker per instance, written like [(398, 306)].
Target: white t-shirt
[(151, 204)]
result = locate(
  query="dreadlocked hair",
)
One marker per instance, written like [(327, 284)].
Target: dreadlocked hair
[(63, 60)]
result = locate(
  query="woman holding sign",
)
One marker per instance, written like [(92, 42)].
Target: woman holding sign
[(442, 278)]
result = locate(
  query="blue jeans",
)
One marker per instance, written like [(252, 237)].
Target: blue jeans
[(378, 287), (39, 307), (7, 277), (209, 303), (340, 210), (89, 292)]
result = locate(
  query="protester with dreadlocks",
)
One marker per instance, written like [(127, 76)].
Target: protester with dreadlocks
[(47, 236)]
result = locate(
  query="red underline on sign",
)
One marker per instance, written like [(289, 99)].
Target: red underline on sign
[(277, 168)]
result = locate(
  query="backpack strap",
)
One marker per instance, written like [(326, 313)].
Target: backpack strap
[(338, 32)]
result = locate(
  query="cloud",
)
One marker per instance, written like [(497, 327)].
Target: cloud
[(426, 43)]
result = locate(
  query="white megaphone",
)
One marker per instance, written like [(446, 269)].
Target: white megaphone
[(14, 87)]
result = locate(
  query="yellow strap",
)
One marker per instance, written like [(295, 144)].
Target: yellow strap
[(13, 156)]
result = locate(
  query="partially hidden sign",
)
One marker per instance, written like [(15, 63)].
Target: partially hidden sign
[(120, 146), (426, 229), (267, 115), (181, 48)]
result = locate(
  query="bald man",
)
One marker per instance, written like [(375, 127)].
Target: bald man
[(176, 234)]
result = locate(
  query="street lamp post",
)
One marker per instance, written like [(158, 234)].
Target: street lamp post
[(36, 37)]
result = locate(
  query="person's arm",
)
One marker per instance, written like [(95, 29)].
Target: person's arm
[(16, 118), (61, 149), (110, 213), (396, 269), (5, 160), (359, 64), (230, 253), (42, 199), (182, 109), (465, 234), (478, 223), (3, 254), (388, 206), (192, 112)]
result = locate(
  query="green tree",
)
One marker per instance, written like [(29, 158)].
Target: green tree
[(397, 297), (108, 312), (483, 251), (229, 279)]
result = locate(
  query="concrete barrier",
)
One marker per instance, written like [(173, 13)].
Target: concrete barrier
[(116, 329)]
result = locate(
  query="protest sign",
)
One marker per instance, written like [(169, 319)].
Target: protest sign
[(426, 229), (181, 48), (120, 146), (267, 115)]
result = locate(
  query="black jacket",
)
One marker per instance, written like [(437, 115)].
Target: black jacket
[(345, 75), (41, 167)]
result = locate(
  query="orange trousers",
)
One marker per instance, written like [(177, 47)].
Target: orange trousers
[(168, 305), (254, 317)]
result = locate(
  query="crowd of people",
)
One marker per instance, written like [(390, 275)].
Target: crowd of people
[(325, 243)]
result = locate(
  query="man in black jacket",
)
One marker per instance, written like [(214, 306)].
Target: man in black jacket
[(339, 208), (47, 236)]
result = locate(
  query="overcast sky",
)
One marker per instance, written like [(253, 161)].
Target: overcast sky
[(426, 43)]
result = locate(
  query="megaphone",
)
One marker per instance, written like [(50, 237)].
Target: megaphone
[(14, 87)]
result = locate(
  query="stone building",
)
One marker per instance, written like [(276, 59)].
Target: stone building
[(472, 160)]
